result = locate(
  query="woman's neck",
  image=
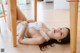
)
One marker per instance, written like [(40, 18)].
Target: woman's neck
[(48, 34)]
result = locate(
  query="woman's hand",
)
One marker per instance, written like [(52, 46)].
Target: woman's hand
[(25, 23), (19, 21)]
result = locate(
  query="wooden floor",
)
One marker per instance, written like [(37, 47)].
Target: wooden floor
[(46, 14)]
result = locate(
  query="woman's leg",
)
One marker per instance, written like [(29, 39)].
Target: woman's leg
[(20, 15)]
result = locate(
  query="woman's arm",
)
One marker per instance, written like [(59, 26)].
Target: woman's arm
[(31, 41), (45, 28)]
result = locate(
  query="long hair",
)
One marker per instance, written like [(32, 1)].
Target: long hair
[(52, 41)]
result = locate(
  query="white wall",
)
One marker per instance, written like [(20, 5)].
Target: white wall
[(61, 4)]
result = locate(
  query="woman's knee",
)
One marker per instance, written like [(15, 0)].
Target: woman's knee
[(22, 23), (25, 22)]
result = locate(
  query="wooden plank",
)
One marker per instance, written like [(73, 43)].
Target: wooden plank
[(12, 9), (73, 25), (35, 10)]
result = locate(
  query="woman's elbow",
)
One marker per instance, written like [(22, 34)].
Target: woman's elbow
[(41, 40)]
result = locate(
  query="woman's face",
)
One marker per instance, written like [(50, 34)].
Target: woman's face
[(59, 33)]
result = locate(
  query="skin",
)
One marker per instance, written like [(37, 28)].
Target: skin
[(35, 37), (20, 16), (58, 33)]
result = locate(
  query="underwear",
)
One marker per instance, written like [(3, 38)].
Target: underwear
[(38, 26)]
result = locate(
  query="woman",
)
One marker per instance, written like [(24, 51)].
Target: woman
[(20, 16), (38, 33)]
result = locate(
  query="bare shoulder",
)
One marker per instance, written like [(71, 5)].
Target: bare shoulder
[(40, 40), (44, 27)]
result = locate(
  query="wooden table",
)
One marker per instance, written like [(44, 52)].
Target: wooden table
[(73, 21)]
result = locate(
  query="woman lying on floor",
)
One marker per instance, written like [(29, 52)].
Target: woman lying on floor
[(38, 33)]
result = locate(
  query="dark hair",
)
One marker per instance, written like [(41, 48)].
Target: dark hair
[(51, 41)]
